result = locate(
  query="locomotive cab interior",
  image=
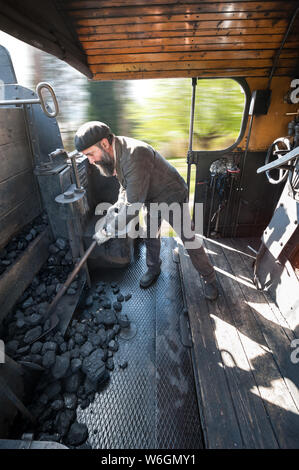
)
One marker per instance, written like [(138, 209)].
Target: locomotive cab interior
[(187, 373)]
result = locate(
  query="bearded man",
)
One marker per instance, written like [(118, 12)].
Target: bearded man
[(147, 178)]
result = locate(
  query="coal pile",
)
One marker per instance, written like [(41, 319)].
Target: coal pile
[(77, 365), (19, 243)]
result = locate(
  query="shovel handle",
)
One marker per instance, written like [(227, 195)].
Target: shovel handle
[(61, 292), (71, 277)]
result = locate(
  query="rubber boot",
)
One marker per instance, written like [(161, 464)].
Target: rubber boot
[(149, 278)]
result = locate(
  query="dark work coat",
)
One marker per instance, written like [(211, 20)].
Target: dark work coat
[(144, 175)]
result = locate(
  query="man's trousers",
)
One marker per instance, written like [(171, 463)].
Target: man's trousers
[(183, 227)]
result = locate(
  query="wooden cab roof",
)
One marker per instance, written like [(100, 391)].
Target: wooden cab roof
[(136, 39)]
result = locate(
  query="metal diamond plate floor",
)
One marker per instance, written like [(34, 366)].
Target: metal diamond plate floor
[(152, 403)]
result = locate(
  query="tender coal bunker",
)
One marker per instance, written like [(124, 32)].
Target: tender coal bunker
[(20, 242), (75, 365)]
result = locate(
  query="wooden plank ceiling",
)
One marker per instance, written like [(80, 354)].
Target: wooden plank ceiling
[(135, 39)]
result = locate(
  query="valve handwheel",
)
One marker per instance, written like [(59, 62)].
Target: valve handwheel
[(278, 148)]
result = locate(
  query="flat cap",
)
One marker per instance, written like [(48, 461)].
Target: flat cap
[(90, 134)]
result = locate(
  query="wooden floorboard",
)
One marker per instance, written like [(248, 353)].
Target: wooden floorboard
[(250, 345), (218, 415)]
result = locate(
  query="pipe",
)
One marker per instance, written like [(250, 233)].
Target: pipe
[(194, 82), (242, 169), (281, 46)]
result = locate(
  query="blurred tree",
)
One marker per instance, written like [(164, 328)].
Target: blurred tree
[(106, 104), (162, 118)]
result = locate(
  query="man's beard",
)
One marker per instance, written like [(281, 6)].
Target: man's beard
[(106, 165)]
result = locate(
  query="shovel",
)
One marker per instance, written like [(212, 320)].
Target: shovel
[(52, 307), (102, 237)]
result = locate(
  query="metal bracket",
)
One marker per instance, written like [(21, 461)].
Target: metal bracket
[(72, 194), (192, 157)]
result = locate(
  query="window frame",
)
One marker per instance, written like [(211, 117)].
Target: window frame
[(243, 83)]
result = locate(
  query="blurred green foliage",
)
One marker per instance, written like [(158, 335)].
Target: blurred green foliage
[(162, 118)]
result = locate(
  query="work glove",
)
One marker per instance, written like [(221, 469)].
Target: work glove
[(112, 212), (103, 232)]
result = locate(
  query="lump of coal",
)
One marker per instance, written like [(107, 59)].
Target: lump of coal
[(53, 249), (70, 401), (48, 359), (63, 347), (110, 335), (60, 367), (20, 323), (117, 306), (71, 291), (79, 339), (27, 303), (71, 344), (24, 350), (75, 353), (40, 289), (89, 387), (50, 290), (107, 303), (94, 367), (81, 328), (33, 334), (110, 364), (36, 347), (76, 364), (86, 349), (116, 328), (96, 339), (60, 243), (127, 297), (77, 435), (37, 358), (72, 383), (49, 346), (113, 345), (84, 404), (58, 338), (123, 364), (57, 405), (89, 301), (63, 421), (109, 318), (53, 390), (123, 321), (120, 298), (116, 290), (100, 289), (43, 398), (12, 346), (34, 319)]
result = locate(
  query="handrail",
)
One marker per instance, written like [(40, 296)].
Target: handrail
[(39, 100)]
